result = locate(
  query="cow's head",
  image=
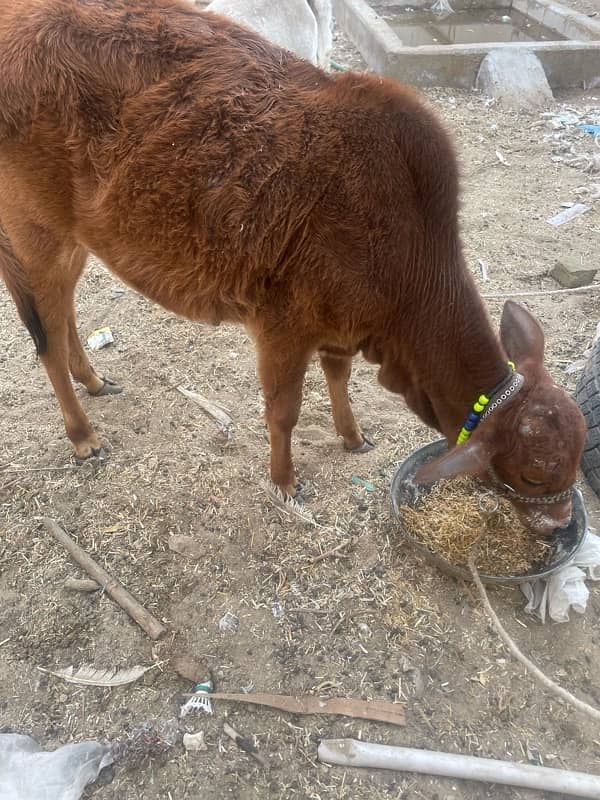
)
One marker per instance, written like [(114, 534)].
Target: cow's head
[(530, 447)]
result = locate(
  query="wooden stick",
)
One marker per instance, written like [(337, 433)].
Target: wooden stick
[(245, 744), (80, 585), (335, 552), (569, 698), (111, 585)]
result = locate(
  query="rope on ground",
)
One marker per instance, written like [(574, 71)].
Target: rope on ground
[(557, 690), (595, 287)]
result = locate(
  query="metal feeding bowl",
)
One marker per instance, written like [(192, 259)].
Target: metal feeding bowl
[(405, 491)]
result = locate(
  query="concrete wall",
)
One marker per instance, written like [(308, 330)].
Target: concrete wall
[(458, 5), (565, 21), (567, 64)]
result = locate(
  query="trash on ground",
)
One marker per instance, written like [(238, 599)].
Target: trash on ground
[(229, 623), (593, 129), (277, 610), (357, 481), (194, 741), (246, 745), (221, 415), (442, 8), (199, 700), (502, 159), (575, 366), (589, 164), (29, 773), (568, 214), (553, 597), (100, 338), (376, 710), (147, 740), (483, 268), (354, 753), (90, 676)]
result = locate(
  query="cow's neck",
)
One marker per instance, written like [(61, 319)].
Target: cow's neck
[(443, 367)]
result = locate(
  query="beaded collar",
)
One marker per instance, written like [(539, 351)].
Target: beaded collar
[(485, 405)]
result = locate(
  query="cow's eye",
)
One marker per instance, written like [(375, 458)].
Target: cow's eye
[(531, 482)]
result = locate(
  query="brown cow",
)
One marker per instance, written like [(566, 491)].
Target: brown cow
[(226, 179)]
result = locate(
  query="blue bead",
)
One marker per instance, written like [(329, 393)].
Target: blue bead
[(470, 425), (473, 417)]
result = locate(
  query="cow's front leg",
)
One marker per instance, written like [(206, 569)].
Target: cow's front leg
[(281, 370)]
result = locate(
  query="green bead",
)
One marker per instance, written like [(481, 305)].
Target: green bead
[(483, 400), (463, 436), (478, 408)]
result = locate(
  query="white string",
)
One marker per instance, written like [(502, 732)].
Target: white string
[(593, 288)]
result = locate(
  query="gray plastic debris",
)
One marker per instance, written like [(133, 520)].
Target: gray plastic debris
[(29, 773)]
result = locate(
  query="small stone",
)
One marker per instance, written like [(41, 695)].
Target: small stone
[(190, 667), (194, 741), (571, 272)]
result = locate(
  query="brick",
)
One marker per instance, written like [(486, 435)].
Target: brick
[(571, 272)]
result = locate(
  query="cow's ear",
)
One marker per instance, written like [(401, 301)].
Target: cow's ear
[(471, 458), (521, 334)]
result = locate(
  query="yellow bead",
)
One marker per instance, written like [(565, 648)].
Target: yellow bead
[(483, 400), (512, 365), (478, 408)]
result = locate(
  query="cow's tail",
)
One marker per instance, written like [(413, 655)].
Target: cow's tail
[(11, 270)]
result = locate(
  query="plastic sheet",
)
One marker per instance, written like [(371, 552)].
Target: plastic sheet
[(29, 773)]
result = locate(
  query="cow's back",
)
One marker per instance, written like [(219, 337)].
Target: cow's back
[(215, 172)]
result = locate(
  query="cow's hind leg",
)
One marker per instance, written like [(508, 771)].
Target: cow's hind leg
[(81, 369), (41, 272), (337, 369), (79, 364)]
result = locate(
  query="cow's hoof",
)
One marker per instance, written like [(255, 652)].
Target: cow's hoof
[(97, 454), (108, 387), (365, 447)]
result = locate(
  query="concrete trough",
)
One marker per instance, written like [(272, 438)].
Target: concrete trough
[(572, 62)]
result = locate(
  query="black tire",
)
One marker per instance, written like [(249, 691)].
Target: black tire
[(587, 395)]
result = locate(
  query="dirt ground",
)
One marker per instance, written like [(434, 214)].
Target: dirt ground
[(378, 623)]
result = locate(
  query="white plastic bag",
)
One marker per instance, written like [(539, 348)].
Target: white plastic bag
[(566, 589), (29, 773)]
